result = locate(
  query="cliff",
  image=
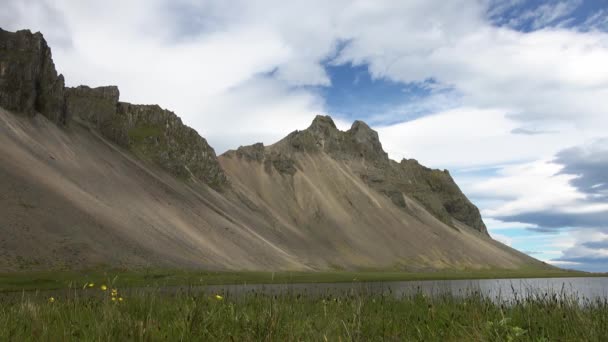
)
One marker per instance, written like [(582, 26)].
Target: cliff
[(29, 84)]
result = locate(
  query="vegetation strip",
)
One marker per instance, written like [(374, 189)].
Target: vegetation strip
[(49, 280), (217, 316)]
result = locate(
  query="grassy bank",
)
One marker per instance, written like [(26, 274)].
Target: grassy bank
[(24, 281), (152, 316)]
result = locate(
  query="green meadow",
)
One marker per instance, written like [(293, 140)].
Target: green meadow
[(155, 316), (114, 305)]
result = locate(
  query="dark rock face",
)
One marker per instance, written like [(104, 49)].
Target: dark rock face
[(272, 160), (280, 162), (29, 84), (434, 189), (28, 80), (91, 105), (359, 142), (253, 152), (437, 189), (158, 135)]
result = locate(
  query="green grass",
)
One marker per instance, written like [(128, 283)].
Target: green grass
[(153, 316), (27, 281)]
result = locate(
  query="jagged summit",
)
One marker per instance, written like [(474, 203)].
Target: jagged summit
[(322, 124), (359, 142), (360, 148)]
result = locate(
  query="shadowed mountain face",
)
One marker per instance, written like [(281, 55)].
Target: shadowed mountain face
[(95, 181)]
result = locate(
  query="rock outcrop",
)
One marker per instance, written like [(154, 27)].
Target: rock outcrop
[(359, 142), (150, 132), (29, 83), (93, 106), (158, 135), (361, 147)]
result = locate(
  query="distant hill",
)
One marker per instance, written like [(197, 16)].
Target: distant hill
[(89, 181)]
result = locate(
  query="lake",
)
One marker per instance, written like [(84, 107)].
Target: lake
[(503, 290), (591, 288)]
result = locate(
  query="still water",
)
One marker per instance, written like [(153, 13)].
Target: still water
[(498, 289)]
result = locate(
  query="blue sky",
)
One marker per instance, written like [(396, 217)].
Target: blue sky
[(508, 95), (355, 94)]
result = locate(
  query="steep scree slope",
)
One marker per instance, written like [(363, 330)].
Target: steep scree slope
[(360, 147)]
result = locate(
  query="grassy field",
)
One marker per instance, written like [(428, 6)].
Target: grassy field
[(27, 281), (152, 316)]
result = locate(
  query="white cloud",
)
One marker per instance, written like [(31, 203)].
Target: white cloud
[(529, 187), (187, 55), (468, 137), (561, 263), (495, 225), (547, 14), (261, 109), (597, 21), (503, 238)]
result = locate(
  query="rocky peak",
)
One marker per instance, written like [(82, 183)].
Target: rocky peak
[(366, 141), (323, 136), (434, 189), (29, 83), (360, 126), (323, 125)]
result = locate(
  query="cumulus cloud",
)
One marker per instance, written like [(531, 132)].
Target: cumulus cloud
[(588, 250), (568, 191), (564, 194), (467, 137), (185, 53), (589, 163), (601, 244)]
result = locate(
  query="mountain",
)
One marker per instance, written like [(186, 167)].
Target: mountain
[(89, 180)]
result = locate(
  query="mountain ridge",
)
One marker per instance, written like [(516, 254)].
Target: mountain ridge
[(94, 180), (436, 190)]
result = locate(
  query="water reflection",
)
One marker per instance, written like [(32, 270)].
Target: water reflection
[(498, 289)]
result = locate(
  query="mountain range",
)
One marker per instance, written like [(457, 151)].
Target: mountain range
[(88, 181)]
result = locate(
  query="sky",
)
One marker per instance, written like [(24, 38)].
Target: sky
[(510, 96)]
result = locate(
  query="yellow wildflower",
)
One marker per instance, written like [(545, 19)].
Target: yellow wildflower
[(113, 299), (51, 299), (91, 285), (218, 297), (103, 288), (120, 299)]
